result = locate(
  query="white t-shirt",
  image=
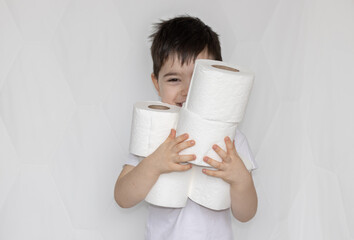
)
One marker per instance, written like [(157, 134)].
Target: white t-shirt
[(192, 222)]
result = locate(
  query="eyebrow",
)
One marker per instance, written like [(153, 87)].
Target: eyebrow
[(170, 74)]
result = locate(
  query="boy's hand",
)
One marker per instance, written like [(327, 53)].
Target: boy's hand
[(232, 169), (166, 158)]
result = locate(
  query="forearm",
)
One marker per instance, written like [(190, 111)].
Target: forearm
[(133, 187), (244, 200)]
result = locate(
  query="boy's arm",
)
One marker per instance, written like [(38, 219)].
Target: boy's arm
[(244, 199), (232, 170), (134, 183), (244, 196)]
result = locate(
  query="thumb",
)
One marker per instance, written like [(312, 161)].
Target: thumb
[(172, 134)]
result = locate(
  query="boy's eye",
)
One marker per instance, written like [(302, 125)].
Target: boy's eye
[(173, 80)]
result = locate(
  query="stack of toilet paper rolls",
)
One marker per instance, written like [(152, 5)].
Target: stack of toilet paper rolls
[(215, 105)]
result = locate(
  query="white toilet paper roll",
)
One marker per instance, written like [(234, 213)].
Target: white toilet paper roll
[(219, 91), (170, 189), (210, 192), (205, 133), (151, 124)]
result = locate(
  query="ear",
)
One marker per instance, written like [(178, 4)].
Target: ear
[(156, 83)]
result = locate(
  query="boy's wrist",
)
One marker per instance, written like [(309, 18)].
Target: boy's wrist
[(248, 182), (150, 166)]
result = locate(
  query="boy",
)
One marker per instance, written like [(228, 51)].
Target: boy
[(176, 44)]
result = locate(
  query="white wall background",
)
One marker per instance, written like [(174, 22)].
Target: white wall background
[(71, 70)]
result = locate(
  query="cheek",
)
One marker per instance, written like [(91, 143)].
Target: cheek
[(169, 91)]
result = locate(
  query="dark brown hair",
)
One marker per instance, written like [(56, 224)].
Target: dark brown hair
[(184, 36)]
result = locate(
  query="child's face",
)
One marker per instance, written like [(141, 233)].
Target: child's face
[(173, 81)]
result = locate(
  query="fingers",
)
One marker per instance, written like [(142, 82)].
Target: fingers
[(213, 173), (172, 134), (214, 163), (230, 146), (181, 138), (220, 152), (184, 167), (184, 145), (186, 158)]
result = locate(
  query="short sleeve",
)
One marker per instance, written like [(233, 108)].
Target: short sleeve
[(244, 149), (132, 160)]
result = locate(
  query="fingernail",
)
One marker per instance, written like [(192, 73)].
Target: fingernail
[(204, 170), (195, 156), (205, 159), (214, 146), (192, 142)]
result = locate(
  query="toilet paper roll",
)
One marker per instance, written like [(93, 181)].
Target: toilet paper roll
[(205, 133), (219, 91), (173, 189), (170, 190), (210, 192), (151, 124)]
